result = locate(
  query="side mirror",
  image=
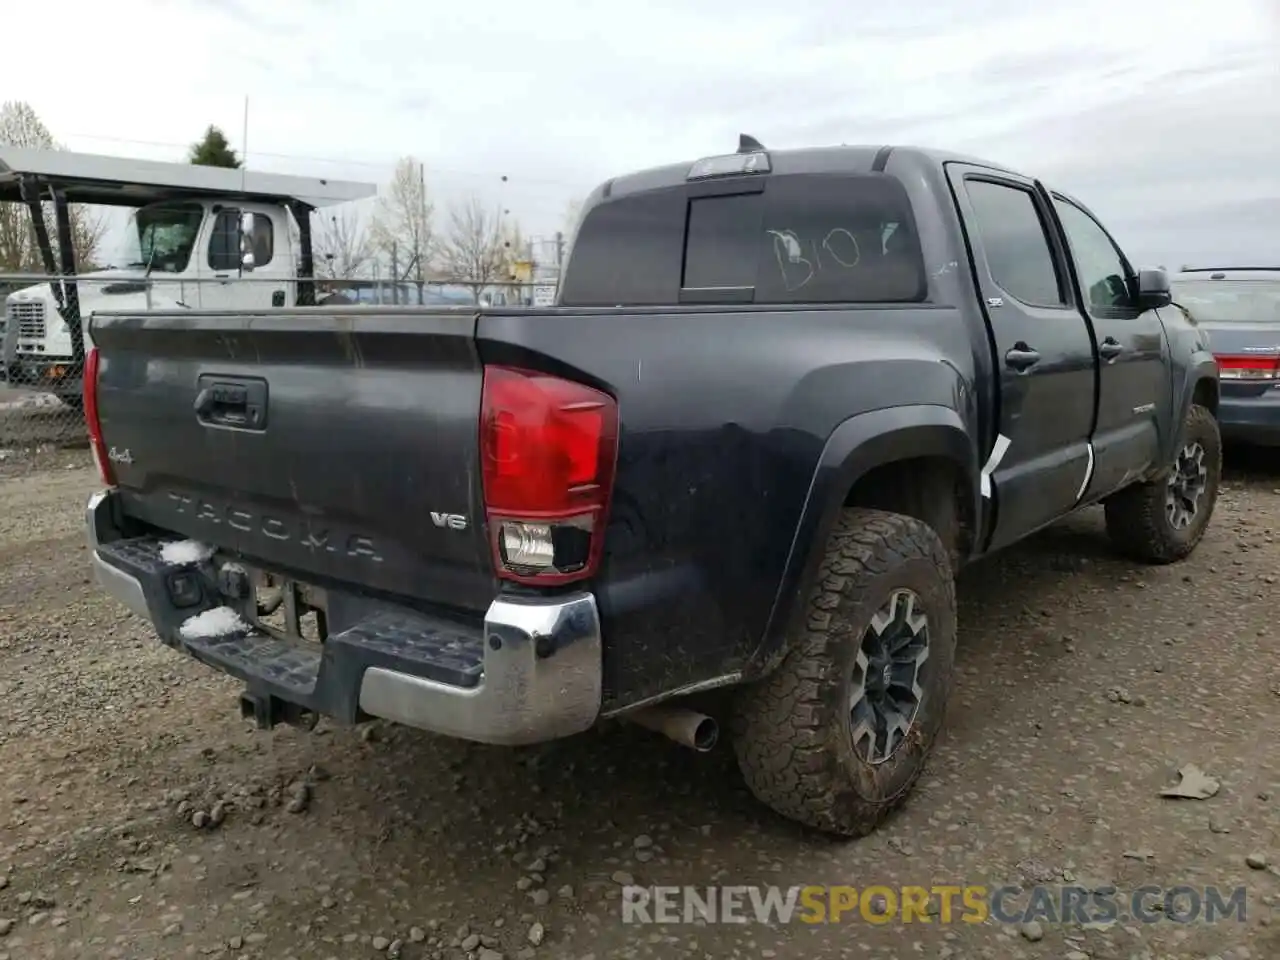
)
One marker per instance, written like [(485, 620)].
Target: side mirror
[(1154, 290), (246, 239)]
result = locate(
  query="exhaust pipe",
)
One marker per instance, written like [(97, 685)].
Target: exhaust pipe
[(687, 727)]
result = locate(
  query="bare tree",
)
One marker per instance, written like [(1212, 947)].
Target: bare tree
[(343, 248), (19, 253), (401, 231), (476, 249)]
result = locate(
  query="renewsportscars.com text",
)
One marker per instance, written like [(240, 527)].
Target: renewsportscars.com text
[(942, 904)]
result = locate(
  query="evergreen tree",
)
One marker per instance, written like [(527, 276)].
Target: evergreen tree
[(213, 150)]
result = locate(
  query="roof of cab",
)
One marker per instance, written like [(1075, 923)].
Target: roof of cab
[(124, 181), (838, 159)]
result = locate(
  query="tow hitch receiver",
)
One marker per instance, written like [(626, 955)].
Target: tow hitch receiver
[(267, 711)]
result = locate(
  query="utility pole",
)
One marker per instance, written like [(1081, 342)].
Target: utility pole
[(526, 292), (559, 249), (244, 145), (421, 239), (395, 274)]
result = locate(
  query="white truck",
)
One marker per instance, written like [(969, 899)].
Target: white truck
[(206, 237)]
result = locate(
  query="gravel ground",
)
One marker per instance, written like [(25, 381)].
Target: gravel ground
[(140, 817), (34, 429)]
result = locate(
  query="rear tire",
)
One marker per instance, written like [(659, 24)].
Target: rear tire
[(809, 738), (1163, 521)]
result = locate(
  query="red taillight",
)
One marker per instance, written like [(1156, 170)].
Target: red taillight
[(1246, 367), (92, 420), (548, 448)]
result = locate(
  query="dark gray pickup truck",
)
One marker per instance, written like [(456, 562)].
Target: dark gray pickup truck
[(782, 397)]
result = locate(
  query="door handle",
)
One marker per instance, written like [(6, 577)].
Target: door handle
[(222, 404), (1110, 348), (1021, 357), (227, 402)]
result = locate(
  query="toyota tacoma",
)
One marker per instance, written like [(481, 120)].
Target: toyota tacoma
[(782, 397)]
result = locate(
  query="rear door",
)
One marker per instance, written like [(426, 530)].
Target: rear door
[(1044, 351), (322, 445), (1134, 385)]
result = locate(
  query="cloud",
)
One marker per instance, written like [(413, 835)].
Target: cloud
[(1161, 115)]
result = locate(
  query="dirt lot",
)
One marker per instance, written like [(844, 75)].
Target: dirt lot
[(35, 428), (1084, 685)]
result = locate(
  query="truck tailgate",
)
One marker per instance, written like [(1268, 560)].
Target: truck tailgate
[(322, 444)]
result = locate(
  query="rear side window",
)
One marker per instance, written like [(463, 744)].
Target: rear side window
[(802, 239), (1013, 237)]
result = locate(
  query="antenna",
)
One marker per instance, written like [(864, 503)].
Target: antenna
[(244, 145), (748, 143), (244, 184)]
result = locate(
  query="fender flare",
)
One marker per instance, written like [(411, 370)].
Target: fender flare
[(857, 446), (1203, 369)]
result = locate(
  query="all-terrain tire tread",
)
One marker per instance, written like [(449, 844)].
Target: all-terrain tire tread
[(1135, 517), (781, 726)]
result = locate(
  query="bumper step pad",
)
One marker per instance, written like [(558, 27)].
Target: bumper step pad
[(529, 671), (320, 677)]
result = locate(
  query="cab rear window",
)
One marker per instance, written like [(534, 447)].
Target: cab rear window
[(777, 240)]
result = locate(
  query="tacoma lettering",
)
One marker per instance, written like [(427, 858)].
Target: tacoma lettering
[(278, 529)]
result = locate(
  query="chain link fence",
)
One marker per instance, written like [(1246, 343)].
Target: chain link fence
[(41, 407), (37, 427)]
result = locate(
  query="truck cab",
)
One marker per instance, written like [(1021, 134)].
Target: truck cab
[(176, 254), (197, 238)]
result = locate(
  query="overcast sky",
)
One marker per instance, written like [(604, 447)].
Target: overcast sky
[(1162, 115)]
